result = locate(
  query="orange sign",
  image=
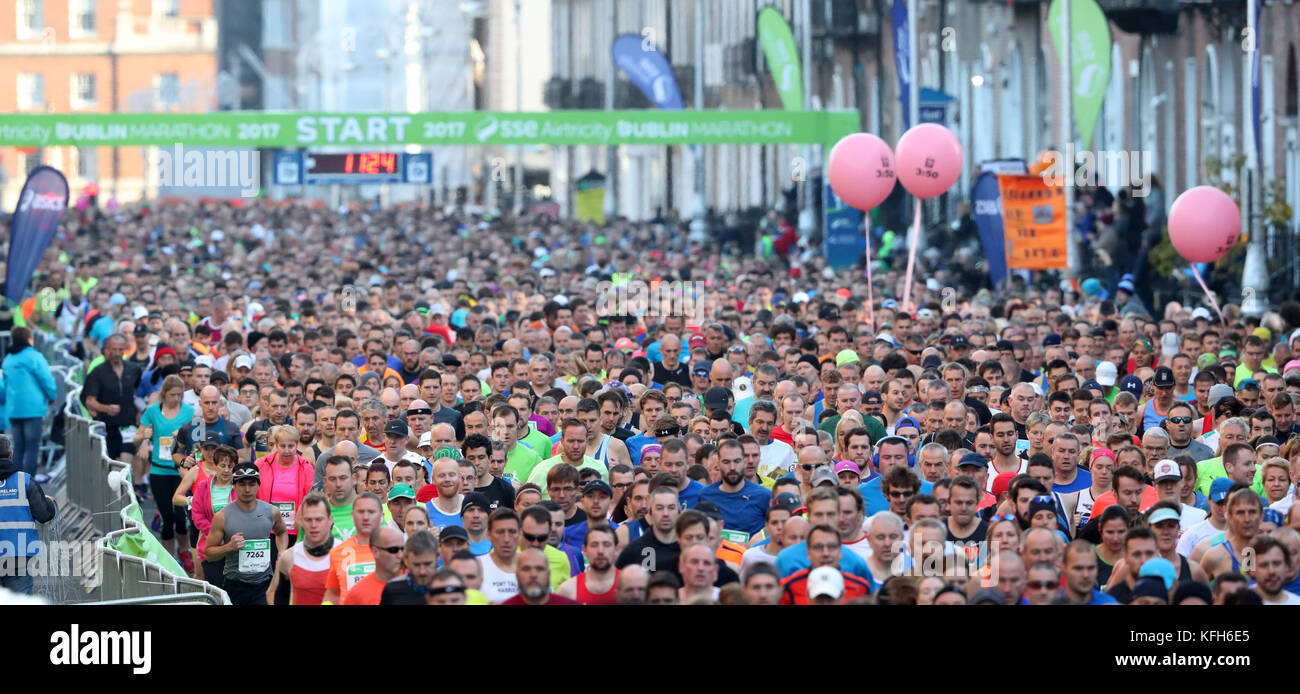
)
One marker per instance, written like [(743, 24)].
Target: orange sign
[(1033, 222)]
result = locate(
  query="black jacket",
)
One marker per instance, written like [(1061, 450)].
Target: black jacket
[(43, 508)]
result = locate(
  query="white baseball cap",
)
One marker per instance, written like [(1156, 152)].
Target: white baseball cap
[(1201, 312), (139, 312), (1167, 470), (243, 361), (825, 580), (1106, 373), (742, 388)]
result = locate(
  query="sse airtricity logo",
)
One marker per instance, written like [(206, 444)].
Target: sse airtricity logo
[(486, 128)]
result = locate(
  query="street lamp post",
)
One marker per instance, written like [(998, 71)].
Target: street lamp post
[(698, 225), (519, 106), (611, 151), (1254, 276), (807, 216)]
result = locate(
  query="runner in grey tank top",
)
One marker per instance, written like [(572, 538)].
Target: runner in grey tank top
[(242, 534)]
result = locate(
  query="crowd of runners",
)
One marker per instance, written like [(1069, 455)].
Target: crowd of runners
[(407, 405)]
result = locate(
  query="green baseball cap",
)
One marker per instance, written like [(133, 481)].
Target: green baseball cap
[(401, 491), (846, 356)]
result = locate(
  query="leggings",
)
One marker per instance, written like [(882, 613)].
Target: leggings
[(173, 517)]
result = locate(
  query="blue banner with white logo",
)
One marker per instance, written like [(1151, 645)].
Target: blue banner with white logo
[(902, 60), (648, 69), (986, 206), (40, 208), (844, 241)]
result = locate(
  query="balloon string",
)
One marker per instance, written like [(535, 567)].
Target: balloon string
[(1208, 295), (871, 308), (911, 257)]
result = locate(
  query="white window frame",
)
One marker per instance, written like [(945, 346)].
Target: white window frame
[(24, 90), (162, 8), (31, 161), (85, 156), (77, 8), (25, 31), (75, 99)]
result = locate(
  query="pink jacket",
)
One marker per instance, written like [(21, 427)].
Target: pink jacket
[(201, 511), (306, 477)]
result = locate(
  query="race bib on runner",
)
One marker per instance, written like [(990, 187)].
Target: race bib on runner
[(737, 536), (165, 448), (287, 513), (255, 556), (356, 572)]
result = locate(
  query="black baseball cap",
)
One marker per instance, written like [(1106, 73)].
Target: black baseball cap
[(701, 368), (716, 398), (246, 471), (397, 427), (709, 509), (598, 485), (872, 397), (786, 500), (1163, 378), (211, 437), (453, 532), (959, 341), (141, 329)]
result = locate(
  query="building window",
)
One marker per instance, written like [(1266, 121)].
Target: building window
[(31, 90), (31, 161), (167, 8), (83, 90), (167, 89), (81, 17), (31, 18), (87, 163)]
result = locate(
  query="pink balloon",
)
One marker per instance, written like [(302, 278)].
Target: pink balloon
[(1204, 224), (861, 170), (83, 202), (929, 160)]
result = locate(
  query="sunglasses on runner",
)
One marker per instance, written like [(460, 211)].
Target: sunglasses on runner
[(396, 549), (536, 538), (1041, 585), (1180, 420), (1002, 517)]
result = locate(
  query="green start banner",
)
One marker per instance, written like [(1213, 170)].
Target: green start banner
[(277, 129)]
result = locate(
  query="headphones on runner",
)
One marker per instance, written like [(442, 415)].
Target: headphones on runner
[(911, 457)]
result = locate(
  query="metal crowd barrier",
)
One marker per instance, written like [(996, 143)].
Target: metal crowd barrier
[(121, 578)]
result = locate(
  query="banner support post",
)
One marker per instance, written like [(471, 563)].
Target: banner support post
[(1067, 135)]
